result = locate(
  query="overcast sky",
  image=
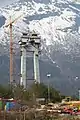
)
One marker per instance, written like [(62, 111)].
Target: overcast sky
[(6, 2)]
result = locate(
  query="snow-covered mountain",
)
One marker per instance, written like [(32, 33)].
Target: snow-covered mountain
[(58, 23)]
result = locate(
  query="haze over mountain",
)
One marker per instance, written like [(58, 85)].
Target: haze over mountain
[(58, 23)]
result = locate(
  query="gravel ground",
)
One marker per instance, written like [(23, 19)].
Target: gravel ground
[(32, 115)]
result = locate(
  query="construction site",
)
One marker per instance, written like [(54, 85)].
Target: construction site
[(16, 107), (34, 101)]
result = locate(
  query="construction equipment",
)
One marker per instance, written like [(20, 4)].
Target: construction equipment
[(11, 46)]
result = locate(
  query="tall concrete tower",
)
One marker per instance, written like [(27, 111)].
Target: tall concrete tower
[(36, 42), (36, 66), (30, 42), (23, 44)]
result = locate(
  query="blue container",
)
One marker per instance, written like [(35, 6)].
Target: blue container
[(7, 106), (10, 105)]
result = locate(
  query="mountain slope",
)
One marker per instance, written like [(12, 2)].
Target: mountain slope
[(58, 23)]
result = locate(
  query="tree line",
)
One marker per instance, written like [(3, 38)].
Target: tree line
[(31, 93)]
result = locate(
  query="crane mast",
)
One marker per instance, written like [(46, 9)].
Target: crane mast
[(11, 55), (11, 47)]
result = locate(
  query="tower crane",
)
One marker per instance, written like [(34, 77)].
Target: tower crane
[(11, 46)]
